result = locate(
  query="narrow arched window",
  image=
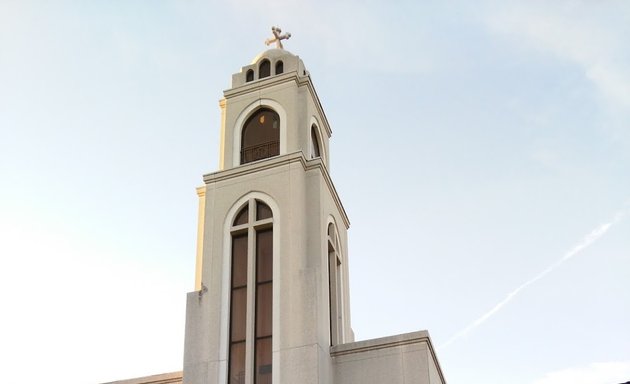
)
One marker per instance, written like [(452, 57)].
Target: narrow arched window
[(279, 67), (250, 75), (334, 286), (314, 143), (260, 136), (264, 70), (251, 292)]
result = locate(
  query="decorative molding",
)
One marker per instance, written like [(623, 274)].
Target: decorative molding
[(164, 378), (377, 344), (275, 162)]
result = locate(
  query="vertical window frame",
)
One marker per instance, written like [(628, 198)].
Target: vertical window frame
[(334, 260), (250, 231), (316, 142)]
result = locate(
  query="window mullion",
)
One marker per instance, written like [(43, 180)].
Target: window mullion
[(251, 300), (339, 277)]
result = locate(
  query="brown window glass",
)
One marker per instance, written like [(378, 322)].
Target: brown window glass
[(249, 76), (238, 309), (264, 258), (261, 136), (265, 69), (242, 216), (262, 211), (237, 363), (264, 306), (315, 143), (263, 309), (263, 361), (239, 261), (279, 67)]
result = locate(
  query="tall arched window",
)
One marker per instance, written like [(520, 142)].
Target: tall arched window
[(249, 76), (264, 70), (314, 143), (334, 287), (279, 67), (260, 136), (251, 277)]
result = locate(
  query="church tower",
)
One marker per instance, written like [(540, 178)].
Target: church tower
[(271, 273), (271, 304)]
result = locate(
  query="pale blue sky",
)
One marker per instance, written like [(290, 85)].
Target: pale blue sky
[(497, 132)]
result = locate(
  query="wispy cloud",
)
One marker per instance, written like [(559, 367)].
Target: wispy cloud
[(585, 242), (596, 373)]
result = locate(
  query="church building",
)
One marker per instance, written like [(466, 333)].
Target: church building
[(271, 303)]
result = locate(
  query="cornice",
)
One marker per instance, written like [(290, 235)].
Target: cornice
[(164, 378), (259, 85), (277, 162)]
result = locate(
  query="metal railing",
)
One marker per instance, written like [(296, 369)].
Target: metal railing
[(260, 151)]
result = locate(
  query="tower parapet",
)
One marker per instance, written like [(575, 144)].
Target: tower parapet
[(279, 62)]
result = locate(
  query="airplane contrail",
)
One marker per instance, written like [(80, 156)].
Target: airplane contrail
[(584, 243)]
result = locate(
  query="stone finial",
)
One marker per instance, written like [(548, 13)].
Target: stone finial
[(277, 37)]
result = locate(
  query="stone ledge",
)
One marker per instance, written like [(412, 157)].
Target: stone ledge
[(163, 378), (381, 343), (398, 359)]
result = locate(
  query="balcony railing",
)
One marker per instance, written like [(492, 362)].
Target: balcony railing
[(260, 151)]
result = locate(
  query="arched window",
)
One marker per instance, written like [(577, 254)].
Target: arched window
[(265, 69), (279, 67), (260, 136), (251, 277), (334, 287), (314, 143), (250, 75)]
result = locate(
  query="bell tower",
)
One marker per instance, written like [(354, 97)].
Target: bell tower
[(271, 303), (271, 272), (277, 82)]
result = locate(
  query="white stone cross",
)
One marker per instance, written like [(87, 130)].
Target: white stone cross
[(277, 37)]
